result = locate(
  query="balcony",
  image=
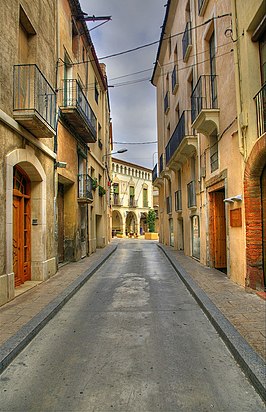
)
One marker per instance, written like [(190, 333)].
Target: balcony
[(145, 203), (204, 105), (85, 189), (166, 103), (116, 200), (182, 142), (174, 79), (191, 194), (260, 100), (77, 111), (202, 4), (178, 201), (132, 203), (34, 104), (187, 42), (157, 181)]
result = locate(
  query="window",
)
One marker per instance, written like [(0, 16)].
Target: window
[(213, 69), (145, 197), (27, 41), (131, 196), (214, 152), (96, 92)]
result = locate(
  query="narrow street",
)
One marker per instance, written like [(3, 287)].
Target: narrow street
[(132, 339)]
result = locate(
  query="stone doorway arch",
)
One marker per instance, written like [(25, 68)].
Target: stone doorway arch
[(253, 195)]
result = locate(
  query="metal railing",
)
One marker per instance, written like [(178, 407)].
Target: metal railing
[(33, 92), (186, 39), (183, 128), (155, 172), (169, 204), (191, 194), (204, 95), (178, 200), (174, 78), (132, 202), (85, 187), (260, 100), (116, 200), (73, 96), (145, 203)]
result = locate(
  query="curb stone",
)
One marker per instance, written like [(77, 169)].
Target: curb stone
[(250, 362), (14, 345)]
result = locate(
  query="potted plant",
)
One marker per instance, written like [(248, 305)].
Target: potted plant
[(102, 191), (151, 235), (94, 183)]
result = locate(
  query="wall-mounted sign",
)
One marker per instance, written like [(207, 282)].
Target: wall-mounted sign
[(236, 217)]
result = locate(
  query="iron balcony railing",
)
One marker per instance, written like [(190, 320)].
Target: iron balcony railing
[(166, 102), (162, 163), (186, 40), (174, 78), (155, 173), (73, 96), (132, 203), (204, 95), (145, 203), (85, 187), (116, 200), (178, 200), (32, 92), (260, 100), (191, 194), (183, 128), (169, 204)]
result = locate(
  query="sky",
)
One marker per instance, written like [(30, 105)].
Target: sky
[(133, 106)]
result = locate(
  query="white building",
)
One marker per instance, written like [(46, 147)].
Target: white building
[(131, 198)]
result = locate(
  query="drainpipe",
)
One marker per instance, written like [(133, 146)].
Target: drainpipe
[(242, 122)]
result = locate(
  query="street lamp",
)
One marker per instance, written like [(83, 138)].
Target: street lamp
[(117, 152)]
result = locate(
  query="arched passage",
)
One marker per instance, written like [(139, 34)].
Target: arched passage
[(131, 223), (117, 223), (255, 205)]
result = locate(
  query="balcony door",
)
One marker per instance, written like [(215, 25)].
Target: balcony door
[(21, 227)]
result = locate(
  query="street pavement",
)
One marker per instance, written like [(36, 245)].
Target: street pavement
[(234, 312)]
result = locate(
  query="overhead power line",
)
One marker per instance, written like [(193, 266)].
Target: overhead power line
[(149, 44)]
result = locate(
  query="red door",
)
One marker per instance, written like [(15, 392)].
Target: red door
[(21, 227)]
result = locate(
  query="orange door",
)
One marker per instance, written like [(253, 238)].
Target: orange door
[(17, 241), (21, 227)]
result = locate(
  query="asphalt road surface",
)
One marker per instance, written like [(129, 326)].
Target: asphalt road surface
[(132, 339)]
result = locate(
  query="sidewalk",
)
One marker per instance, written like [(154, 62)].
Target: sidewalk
[(245, 311), (239, 317)]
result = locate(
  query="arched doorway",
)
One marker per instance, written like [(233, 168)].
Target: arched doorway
[(263, 203), (131, 223), (117, 223), (255, 214), (21, 226), (143, 227)]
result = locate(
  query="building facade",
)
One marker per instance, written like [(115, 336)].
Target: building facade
[(201, 172), (131, 198), (83, 138), (54, 134), (27, 135)]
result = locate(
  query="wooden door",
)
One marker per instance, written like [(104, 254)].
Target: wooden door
[(21, 227), (17, 243), (217, 230)]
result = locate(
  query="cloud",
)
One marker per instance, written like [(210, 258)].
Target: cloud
[(133, 106)]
